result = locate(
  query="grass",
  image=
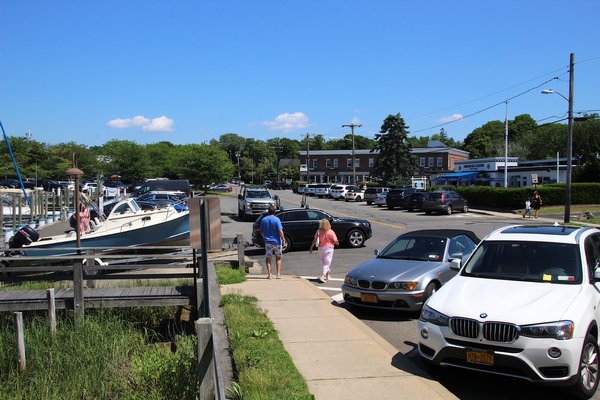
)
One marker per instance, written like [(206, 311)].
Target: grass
[(264, 368), (226, 275), (112, 354)]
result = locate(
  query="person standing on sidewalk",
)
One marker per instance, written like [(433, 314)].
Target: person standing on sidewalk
[(326, 240), (536, 203), (272, 231), (527, 212)]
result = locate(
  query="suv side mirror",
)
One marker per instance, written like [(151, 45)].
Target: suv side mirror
[(376, 252)]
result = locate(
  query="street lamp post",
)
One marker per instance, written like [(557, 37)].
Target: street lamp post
[(506, 147), (352, 125), (567, 216), (238, 154)]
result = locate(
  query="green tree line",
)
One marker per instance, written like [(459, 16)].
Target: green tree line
[(232, 155)]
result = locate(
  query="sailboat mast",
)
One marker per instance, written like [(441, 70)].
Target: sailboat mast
[(12, 156)]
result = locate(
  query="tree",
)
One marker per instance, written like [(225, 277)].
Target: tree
[(127, 159), (395, 160), (486, 141), (203, 164)]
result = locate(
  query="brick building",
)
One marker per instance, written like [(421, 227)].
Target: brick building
[(335, 166)]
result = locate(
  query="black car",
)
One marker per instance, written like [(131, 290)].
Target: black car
[(444, 201), (10, 183), (397, 197), (47, 184), (415, 201), (300, 225)]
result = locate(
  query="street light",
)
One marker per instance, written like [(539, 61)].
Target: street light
[(238, 154), (567, 216)]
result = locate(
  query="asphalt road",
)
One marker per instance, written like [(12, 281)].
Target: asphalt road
[(399, 328)]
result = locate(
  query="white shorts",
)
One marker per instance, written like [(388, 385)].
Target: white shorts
[(273, 250)]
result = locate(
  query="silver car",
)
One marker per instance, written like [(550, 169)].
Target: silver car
[(408, 270)]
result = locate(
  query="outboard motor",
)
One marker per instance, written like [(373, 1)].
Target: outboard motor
[(24, 236)]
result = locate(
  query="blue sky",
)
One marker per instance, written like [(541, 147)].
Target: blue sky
[(190, 71)]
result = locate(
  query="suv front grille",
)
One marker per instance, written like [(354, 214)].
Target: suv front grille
[(492, 331), (464, 327)]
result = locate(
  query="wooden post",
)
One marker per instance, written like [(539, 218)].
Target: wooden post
[(200, 298), (51, 309), (240, 250), (78, 301), (90, 264), (20, 335), (206, 355)]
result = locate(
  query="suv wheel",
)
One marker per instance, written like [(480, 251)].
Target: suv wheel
[(288, 244), (355, 238), (466, 208), (587, 380), (449, 210)]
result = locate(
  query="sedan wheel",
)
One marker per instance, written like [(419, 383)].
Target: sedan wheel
[(466, 208), (355, 238), (587, 382)]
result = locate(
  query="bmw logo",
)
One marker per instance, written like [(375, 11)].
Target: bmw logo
[(483, 315)]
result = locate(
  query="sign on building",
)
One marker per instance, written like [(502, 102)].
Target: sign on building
[(419, 183), (534, 178)]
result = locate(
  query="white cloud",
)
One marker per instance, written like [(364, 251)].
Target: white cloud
[(356, 121), (287, 122), (450, 118), (160, 124)]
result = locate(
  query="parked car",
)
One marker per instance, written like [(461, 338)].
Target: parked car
[(177, 199), (300, 225), (525, 304), (10, 183), (222, 187), (444, 201), (397, 197), (47, 184), (381, 199), (408, 270), (337, 191), (414, 201), (372, 192), (354, 193), (322, 190), (310, 189), (300, 189)]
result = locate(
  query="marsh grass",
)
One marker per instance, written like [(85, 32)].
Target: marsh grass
[(226, 275), (264, 368), (109, 355)]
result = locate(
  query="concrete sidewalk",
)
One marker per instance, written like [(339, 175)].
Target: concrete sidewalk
[(338, 355)]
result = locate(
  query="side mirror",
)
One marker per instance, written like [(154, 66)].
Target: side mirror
[(376, 252), (455, 264), (456, 255)]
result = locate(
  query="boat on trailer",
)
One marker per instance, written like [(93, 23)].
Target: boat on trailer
[(127, 225)]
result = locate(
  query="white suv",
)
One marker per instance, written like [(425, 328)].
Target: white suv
[(524, 305)]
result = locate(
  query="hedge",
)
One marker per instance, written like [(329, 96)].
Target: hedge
[(514, 197)]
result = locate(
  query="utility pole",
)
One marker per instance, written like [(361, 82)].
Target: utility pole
[(352, 125), (308, 135)]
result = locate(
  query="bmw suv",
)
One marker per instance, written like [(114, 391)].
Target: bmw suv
[(524, 305)]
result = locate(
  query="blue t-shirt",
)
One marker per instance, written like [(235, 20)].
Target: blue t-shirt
[(270, 227)]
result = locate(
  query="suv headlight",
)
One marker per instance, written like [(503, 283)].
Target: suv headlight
[(561, 330), (428, 314)]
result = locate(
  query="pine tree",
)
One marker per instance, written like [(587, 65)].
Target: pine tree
[(395, 161)]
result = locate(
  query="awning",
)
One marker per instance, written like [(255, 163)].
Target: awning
[(459, 176)]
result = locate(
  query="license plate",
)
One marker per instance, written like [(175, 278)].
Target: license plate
[(480, 357), (368, 298)]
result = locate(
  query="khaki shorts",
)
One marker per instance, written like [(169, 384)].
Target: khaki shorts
[(273, 250)]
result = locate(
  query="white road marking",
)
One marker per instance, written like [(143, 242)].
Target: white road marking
[(317, 277), (334, 289)]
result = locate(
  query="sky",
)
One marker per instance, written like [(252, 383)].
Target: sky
[(190, 71)]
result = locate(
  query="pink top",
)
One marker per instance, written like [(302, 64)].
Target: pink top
[(326, 238)]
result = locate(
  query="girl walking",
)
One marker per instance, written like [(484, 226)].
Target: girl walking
[(326, 240), (536, 203)]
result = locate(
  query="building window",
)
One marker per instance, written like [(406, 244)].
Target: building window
[(422, 161), (357, 162), (439, 162), (335, 163), (371, 162), (328, 163), (430, 162), (349, 162), (314, 163)]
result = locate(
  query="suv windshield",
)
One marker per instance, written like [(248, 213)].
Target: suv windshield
[(526, 261), (257, 194)]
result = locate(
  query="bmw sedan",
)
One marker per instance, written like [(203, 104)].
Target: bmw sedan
[(300, 225), (408, 270)]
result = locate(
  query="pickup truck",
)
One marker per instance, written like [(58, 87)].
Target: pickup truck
[(253, 201)]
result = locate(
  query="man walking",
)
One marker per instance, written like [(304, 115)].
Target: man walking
[(272, 232)]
